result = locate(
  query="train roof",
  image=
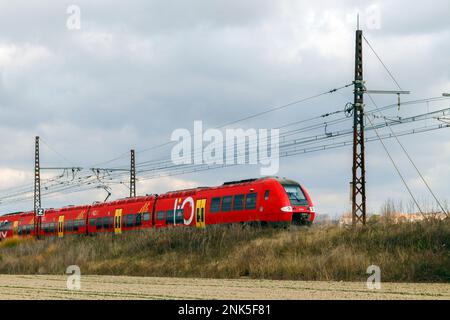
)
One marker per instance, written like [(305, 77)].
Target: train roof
[(247, 181), (11, 214), (194, 190), (227, 184), (16, 214)]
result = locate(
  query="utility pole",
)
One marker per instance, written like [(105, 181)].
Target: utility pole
[(358, 170), (358, 184), (133, 175), (37, 188)]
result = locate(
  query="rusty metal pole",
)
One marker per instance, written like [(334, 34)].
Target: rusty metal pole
[(358, 170)]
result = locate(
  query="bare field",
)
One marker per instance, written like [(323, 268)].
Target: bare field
[(125, 287)]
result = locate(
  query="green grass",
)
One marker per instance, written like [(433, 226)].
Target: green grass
[(408, 252)]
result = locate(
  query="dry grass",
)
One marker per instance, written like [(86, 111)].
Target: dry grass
[(409, 252)]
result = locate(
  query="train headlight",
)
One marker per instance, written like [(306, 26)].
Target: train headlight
[(312, 209), (287, 209)]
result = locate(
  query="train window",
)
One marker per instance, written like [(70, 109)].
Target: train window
[(99, 223), (250, 201), (46, 228), (266, 195), (138, 219), (226, 203), (296, 195), (75, 225), (146, 216), (215, 205), (180, 216), (169, 217), (81, 223), (6, 226), (52, 227), (106, 222), (130, 220), (92, 222), (69, 225), (160, 215), (238, 203)]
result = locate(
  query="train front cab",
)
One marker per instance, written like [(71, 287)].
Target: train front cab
[(300, 204)]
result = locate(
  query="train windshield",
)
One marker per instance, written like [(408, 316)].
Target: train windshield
[(296, 195)]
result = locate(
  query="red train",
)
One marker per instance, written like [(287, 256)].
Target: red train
[(264, 200)]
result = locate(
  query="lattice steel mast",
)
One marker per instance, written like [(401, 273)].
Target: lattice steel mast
[(358, 170)]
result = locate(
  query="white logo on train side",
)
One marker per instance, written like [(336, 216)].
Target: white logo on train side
[(3, 234), (178, 207)]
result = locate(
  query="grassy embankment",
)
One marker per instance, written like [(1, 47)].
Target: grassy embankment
[(408, 252)]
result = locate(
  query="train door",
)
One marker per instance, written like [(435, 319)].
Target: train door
[(200, 213), (15, 229), (61, 226), (118, 221)]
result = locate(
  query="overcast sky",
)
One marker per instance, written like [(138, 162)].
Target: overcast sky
[(137, 70)]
